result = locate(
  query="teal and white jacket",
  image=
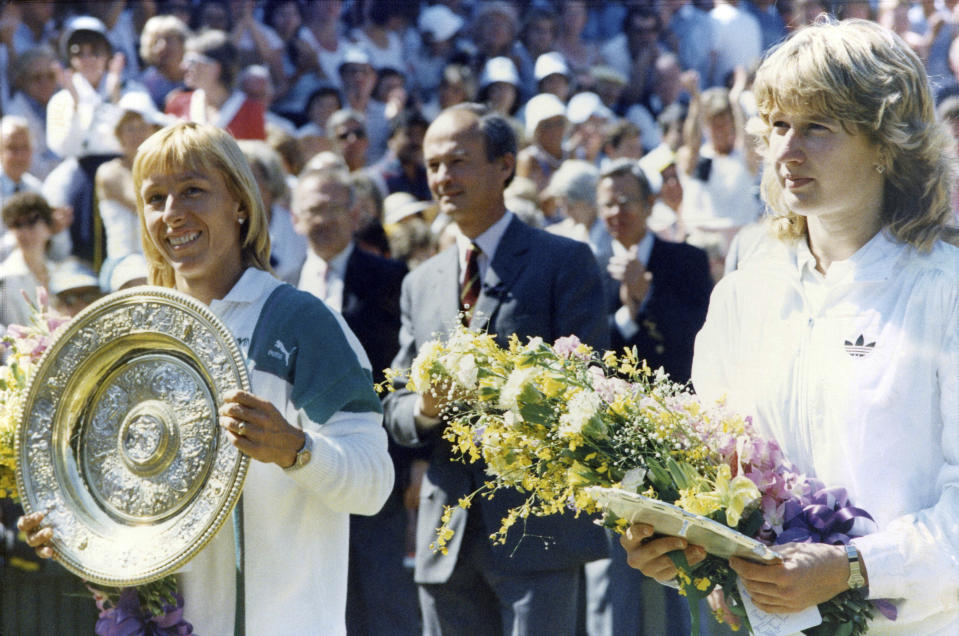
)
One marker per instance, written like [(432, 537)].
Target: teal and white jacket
[(304, 359)]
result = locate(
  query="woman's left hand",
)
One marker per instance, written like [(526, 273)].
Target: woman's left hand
[(258, 429), (809, 574)]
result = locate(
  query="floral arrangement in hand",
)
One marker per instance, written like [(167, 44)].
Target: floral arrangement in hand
[(154, 608), (554, 421)]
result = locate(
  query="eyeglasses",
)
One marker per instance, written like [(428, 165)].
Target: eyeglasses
[(25, 222), (359, 133)]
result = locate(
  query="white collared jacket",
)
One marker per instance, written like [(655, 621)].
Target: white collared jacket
[(859, 384)]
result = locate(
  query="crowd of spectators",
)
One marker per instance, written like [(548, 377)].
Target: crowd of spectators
[(353, 85)]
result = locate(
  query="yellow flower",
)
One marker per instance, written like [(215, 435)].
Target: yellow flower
[(552, 386)]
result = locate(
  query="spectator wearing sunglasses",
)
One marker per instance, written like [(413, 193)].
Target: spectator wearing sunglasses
[(346, 128), (29, 219)]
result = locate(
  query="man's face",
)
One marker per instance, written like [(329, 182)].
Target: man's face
[(352, 143), (465, 184), (323, 213), (16, 154), (623, 208)]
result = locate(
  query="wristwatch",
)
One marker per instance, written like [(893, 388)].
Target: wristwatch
[(856, 580), (303, 455)]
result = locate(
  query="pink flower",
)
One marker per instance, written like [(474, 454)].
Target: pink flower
[(566, 347)]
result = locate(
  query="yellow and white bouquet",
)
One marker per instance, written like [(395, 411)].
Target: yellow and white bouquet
[(554, 421)]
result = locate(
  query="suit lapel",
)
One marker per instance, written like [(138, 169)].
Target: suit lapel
[(444, 287), (508, 263)]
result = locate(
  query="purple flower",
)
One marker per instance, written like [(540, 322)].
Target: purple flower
[(127, 618)]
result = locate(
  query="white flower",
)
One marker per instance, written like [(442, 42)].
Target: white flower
[(518, 378), (534, 343), (634, 479), (420, 374), (580, 409), (464, 371)]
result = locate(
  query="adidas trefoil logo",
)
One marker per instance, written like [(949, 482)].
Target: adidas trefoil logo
[(860, 348)]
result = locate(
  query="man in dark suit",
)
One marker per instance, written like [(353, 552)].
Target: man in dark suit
[(532, 284), (657, 292), (365, 289)]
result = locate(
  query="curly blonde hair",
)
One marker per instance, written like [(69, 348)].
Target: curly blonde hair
[(201, 148), (866, 77)]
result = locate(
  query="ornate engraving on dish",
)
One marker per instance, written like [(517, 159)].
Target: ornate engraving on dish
[(119, 441), (134, 462)]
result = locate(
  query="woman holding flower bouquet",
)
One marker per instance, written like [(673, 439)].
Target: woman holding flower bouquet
[(311, 422), (841, 338)]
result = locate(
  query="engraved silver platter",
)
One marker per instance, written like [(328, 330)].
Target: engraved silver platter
[(119, 442)]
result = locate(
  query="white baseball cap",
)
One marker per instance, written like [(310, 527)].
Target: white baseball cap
[(582, 106), (550, 64), (540, 108), (499, 69)]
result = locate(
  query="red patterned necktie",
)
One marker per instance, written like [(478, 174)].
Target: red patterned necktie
[(470, 285)]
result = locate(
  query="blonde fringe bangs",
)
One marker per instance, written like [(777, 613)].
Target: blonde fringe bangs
[(865, 77), (190, 147)]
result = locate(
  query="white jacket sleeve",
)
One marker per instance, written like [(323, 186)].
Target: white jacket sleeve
[(350, 469), (916, 556)]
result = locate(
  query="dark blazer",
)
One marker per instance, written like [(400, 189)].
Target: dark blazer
[(538, 284), (371, 305), (675, 310)]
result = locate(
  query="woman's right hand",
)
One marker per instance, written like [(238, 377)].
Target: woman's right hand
[(650, 556), (38, 537)]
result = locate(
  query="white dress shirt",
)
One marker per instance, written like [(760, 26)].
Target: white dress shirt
[(641, 251), (324, 279)]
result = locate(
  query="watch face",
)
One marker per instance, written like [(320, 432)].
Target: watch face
[(303, 458)]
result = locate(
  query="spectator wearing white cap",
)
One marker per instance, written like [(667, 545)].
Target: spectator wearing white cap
[(588, 118), (438, 27), (500, 86), (545, 130), (80, 122), (358, 79), (553, 75)]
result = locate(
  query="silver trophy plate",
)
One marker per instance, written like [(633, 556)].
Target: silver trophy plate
[(119, 441)]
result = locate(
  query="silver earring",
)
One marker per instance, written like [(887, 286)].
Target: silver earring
[(241, 220), (880, 168)]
